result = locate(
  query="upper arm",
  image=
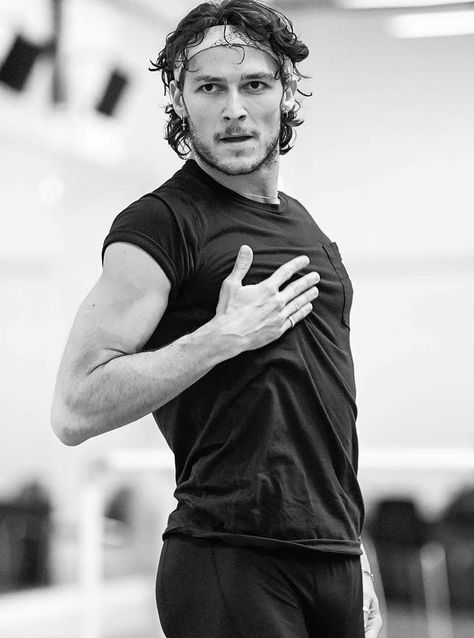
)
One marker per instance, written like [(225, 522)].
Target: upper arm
[(119, 314)]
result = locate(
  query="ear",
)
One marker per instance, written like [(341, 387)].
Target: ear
[(288, 100), (177, 99)]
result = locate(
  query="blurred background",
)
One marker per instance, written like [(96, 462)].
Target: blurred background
[(384, 162)]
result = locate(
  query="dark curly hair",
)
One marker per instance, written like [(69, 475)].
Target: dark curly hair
[(259, 22)]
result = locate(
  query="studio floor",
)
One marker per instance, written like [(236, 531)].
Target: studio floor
[(127, 610)]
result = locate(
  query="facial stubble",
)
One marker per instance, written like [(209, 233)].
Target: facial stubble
[(270, 154)]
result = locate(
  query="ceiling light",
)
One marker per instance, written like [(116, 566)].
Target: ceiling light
[(397, 4), (432, 25)]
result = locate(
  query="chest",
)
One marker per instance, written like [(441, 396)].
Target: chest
[(274, 239)]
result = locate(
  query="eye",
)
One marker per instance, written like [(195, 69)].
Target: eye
[(208, 88), (255, 85)]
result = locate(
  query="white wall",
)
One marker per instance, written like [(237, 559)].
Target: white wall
[(384, 162)]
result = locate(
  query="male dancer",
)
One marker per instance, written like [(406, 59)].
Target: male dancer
[(208, 314)]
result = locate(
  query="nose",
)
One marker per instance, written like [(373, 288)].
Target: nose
[(233, 107)]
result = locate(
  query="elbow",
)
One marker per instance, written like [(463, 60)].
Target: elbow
[(68, 436), (67, 427)]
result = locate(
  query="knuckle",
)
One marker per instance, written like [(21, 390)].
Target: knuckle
[(270, 287), (299, 286), (280, 302), (289, 309)]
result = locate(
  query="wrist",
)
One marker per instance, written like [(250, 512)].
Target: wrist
[(226, 343)]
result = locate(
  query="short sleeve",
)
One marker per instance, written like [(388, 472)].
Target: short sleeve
[(151, 224)]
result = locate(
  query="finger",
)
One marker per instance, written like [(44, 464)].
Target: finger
[(287, 270), (300, 285), (292, 320), (371, 631), (366, 619), (372, 622), (301, 300), (242, 263)]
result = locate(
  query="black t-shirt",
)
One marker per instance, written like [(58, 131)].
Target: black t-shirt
[(265, 444)]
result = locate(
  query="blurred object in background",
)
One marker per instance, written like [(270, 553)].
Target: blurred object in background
[(25, 527), (119, 515), (455, 531), (19, 62), (116, 85), (398, 532), (413, 566)]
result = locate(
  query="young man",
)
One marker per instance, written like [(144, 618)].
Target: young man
[(224, 310)]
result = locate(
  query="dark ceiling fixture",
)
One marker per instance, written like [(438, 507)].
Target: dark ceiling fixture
[(113, 92), (17, 66), (19, 62)]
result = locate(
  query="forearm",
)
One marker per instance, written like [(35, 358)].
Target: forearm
[(129, 386), (104, 383)]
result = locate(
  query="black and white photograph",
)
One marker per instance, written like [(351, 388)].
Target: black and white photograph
[(236, 285)]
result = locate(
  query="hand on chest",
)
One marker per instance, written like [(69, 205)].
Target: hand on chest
[(271, 249)]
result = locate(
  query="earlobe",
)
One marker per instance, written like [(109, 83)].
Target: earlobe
[(177, 99)]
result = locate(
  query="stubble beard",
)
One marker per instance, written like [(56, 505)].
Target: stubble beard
[(269, 156)]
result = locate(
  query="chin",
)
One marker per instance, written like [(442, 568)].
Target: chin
[(236, 162), (238, 166)]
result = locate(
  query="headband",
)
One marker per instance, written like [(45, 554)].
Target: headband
[(226, 35)]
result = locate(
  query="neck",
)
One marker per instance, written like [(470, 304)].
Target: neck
[(260, 186)]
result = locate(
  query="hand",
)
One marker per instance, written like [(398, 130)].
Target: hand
[(253, 316), (372, 618)]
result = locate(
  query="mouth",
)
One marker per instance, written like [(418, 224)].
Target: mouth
[(236, 139)]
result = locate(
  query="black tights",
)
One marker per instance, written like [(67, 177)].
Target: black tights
[(207, 589)]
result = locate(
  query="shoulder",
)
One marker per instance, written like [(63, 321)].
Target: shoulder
[(182, 200), (166, 223), (293, 203), (171, 205), (298, 210)]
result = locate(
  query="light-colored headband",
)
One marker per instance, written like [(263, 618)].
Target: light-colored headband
[(226, 35)]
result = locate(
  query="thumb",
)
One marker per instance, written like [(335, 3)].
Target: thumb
[(242, 263)]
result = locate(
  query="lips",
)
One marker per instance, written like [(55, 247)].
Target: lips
[(236, 138)]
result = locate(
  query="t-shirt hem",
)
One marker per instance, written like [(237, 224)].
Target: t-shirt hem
[(247, 540)]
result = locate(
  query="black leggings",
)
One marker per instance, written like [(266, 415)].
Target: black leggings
[(207, 589)]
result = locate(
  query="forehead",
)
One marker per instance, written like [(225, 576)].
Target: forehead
[(230, 63)]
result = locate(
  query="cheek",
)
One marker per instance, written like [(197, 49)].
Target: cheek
[(272, 119), (204, 113), (270, 114), (203, 122)]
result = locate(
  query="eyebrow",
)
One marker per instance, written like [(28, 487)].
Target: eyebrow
[(246, 76)]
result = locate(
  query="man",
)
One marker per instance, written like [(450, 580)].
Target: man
[(208, 314)]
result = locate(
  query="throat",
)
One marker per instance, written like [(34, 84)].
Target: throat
[(264, 199), (260, 185)]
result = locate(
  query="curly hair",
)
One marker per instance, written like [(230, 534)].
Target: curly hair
[(259, 22)]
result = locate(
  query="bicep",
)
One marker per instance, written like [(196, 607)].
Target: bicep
[(121, 311)]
